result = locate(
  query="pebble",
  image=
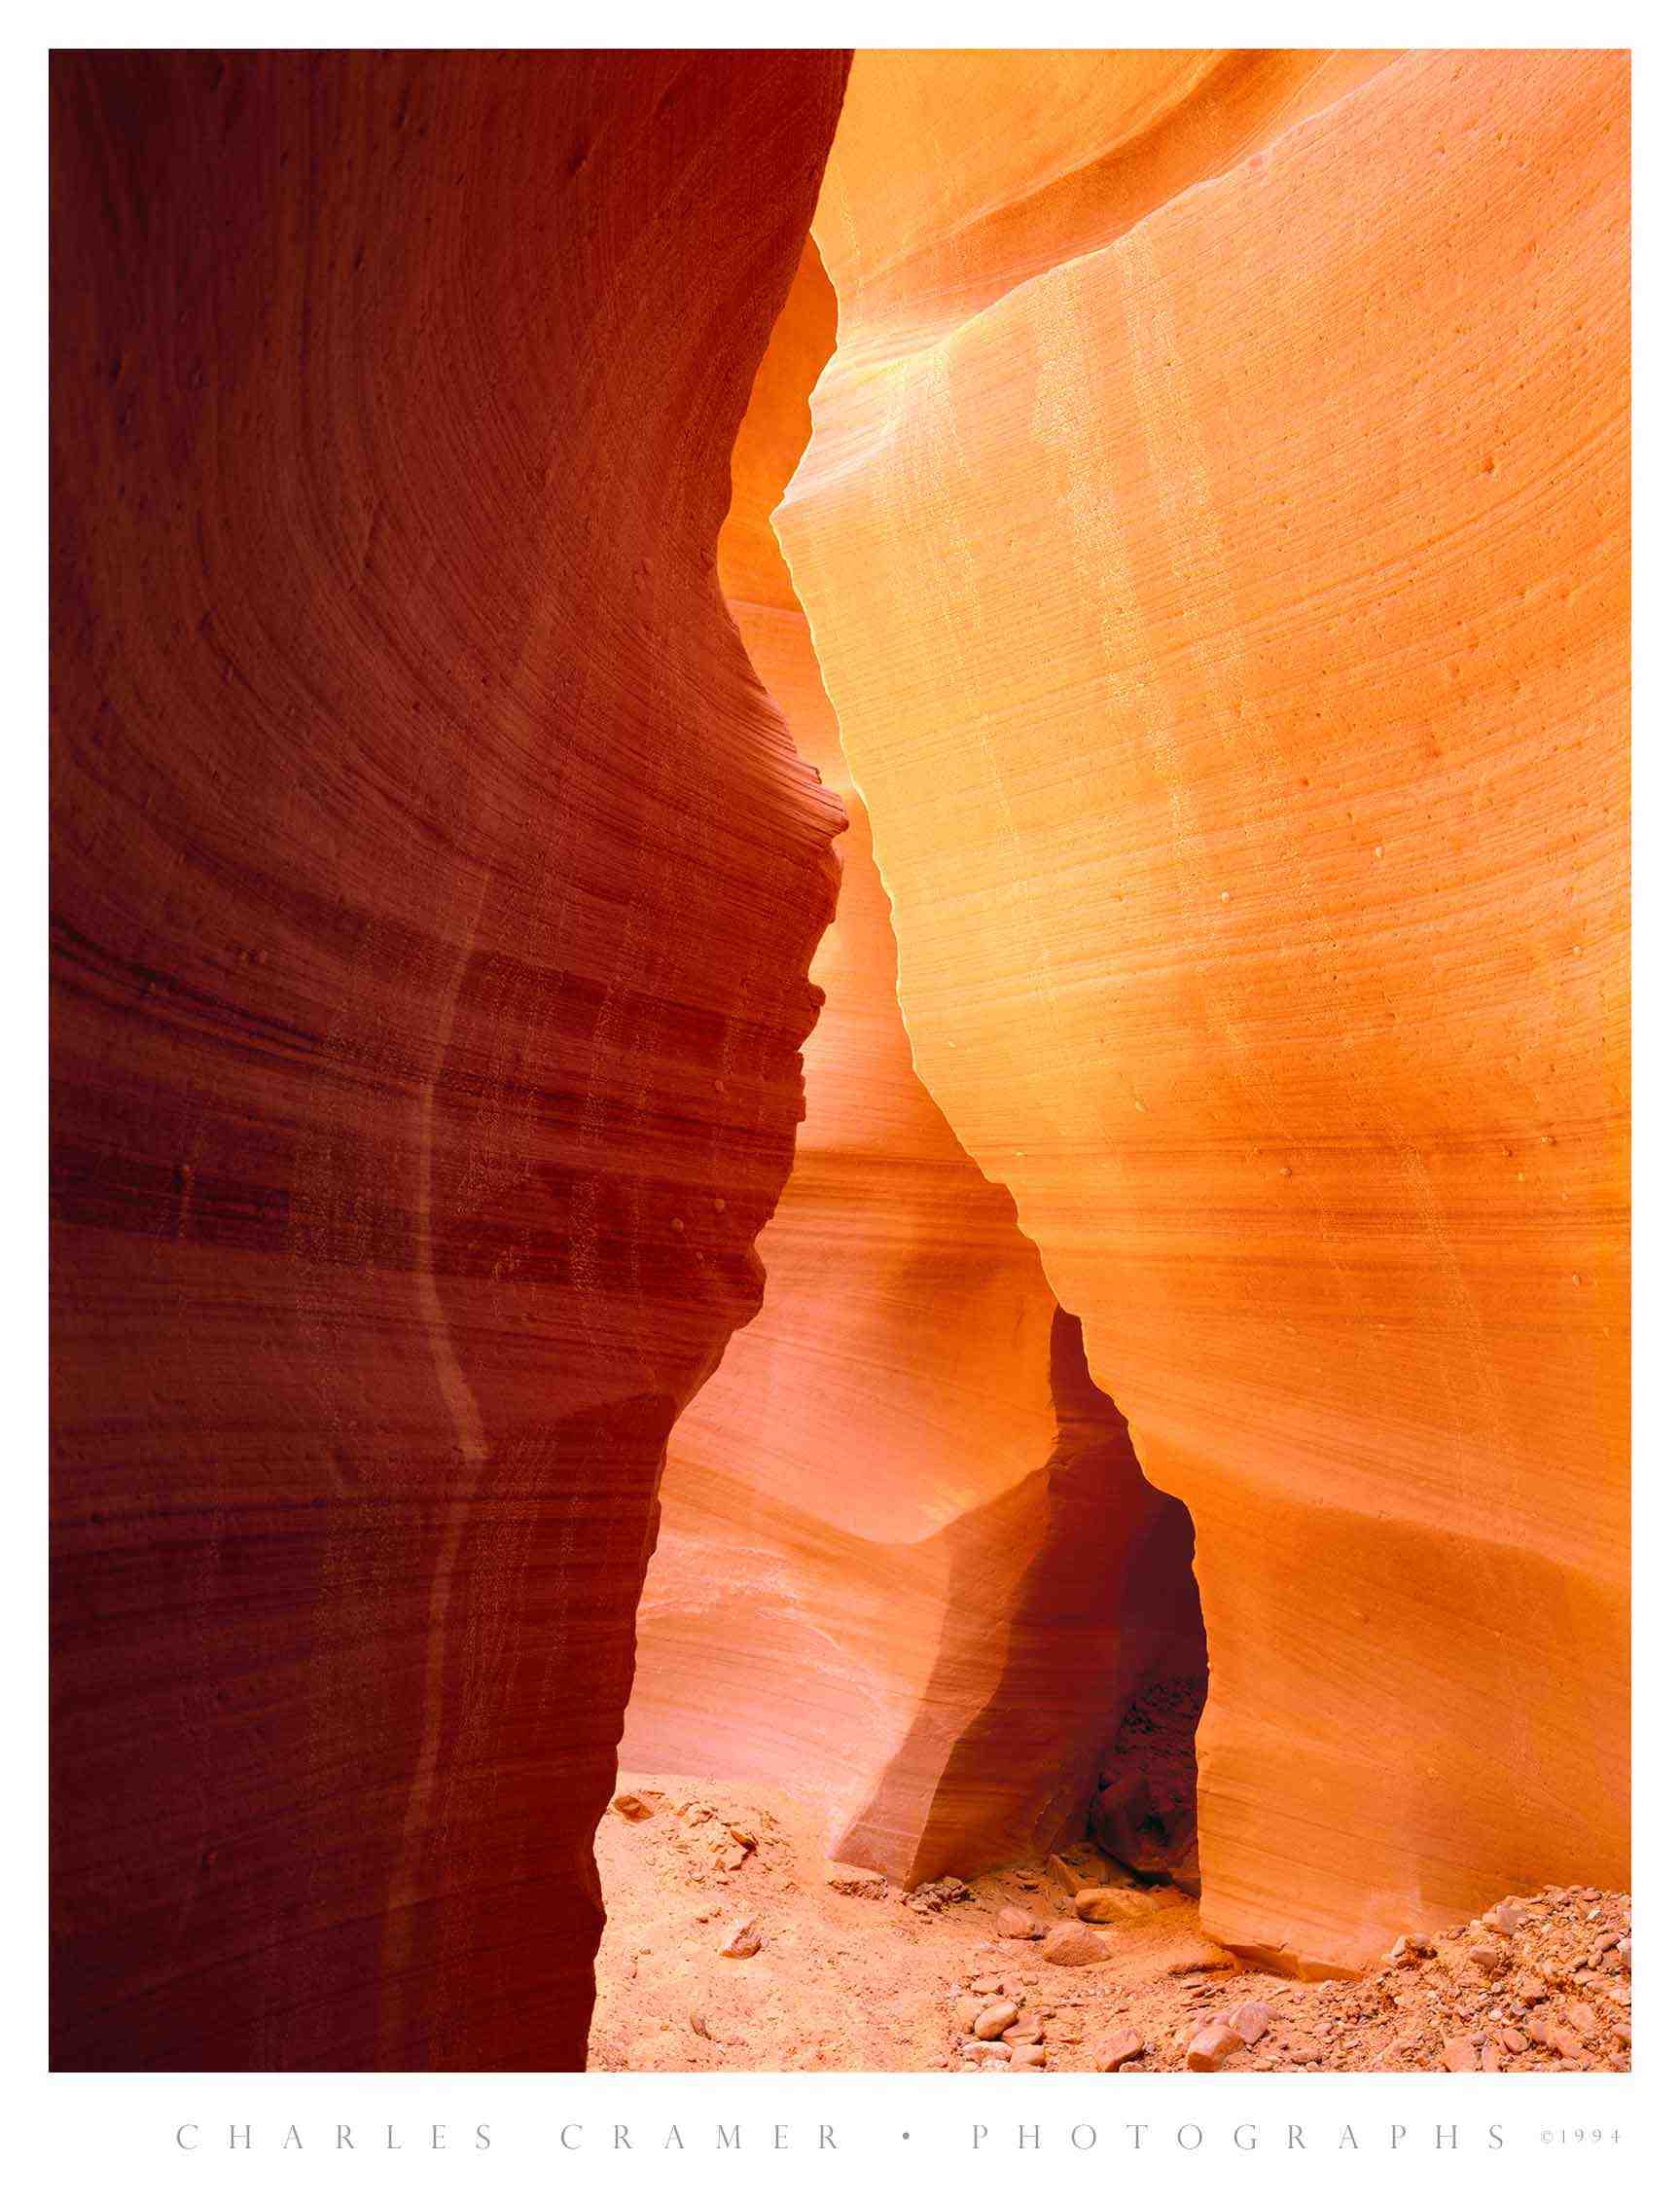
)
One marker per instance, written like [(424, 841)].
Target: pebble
[(1026, 2058), (1015, 1924), (1410, 1948), (1029, 2032), (1073, 1945), (743, 1940), (1460, 2054), (992, 2022), (635, 1807), (967, 2008), (1251, 2021), (1212, 2045), (1115, 2052)]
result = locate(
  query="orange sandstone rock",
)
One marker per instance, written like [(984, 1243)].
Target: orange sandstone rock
[(1214, 539), (906, 1562)]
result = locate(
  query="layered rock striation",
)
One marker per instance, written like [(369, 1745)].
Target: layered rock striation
[(908, 1567), (1214, 540), (433, 894)]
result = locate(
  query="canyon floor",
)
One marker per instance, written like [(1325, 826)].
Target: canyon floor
[(851, 1974)]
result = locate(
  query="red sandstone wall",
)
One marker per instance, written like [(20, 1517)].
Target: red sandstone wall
[(433, 894), (1214, 539)]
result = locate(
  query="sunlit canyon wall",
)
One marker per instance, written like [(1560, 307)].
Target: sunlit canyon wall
[(1214, 541), (907, 1566)]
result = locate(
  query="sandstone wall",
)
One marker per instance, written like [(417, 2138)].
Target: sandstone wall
[(902, 1567), (1214, 540), (433, 890)]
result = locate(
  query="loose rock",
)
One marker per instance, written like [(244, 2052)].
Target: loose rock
[(1065, 1876), (937, 1893), (1114, 1904), (1073, 1945), (1251, 2021), (857, 1883), (1015, 1924), (1124, 2046), (1411, 1949), (743, 1940), (1212, 2045)]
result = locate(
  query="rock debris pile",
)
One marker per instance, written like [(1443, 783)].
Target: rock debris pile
[(1538, 1983), (734, 1939)]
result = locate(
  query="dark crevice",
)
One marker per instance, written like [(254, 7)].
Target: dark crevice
[(1143, 1811), (1104, 1623)]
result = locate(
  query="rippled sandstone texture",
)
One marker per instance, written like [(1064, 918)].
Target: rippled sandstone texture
[(1214, 540), (907, 1566), (433, 894)]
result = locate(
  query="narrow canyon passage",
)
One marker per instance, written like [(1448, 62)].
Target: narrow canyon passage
[(906, 1562), (1225, 619), (927, 1178)]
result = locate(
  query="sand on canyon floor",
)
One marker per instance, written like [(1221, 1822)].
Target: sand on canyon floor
[(851, 1974)]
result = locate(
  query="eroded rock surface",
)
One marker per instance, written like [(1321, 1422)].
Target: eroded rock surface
[(1214, 536), (433, 890), (907, 1565)]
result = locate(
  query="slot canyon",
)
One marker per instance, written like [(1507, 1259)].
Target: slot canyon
[(839, 1060)]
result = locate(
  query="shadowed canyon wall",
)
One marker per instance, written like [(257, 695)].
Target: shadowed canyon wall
[(907, 1563), (1213, 536), (434, 890)]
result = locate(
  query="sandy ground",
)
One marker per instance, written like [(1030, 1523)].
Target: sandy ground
[(867, 1979)]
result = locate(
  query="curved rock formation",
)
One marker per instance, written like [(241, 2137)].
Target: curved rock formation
[(907, 1563), (433, 894), (1214, 539)]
